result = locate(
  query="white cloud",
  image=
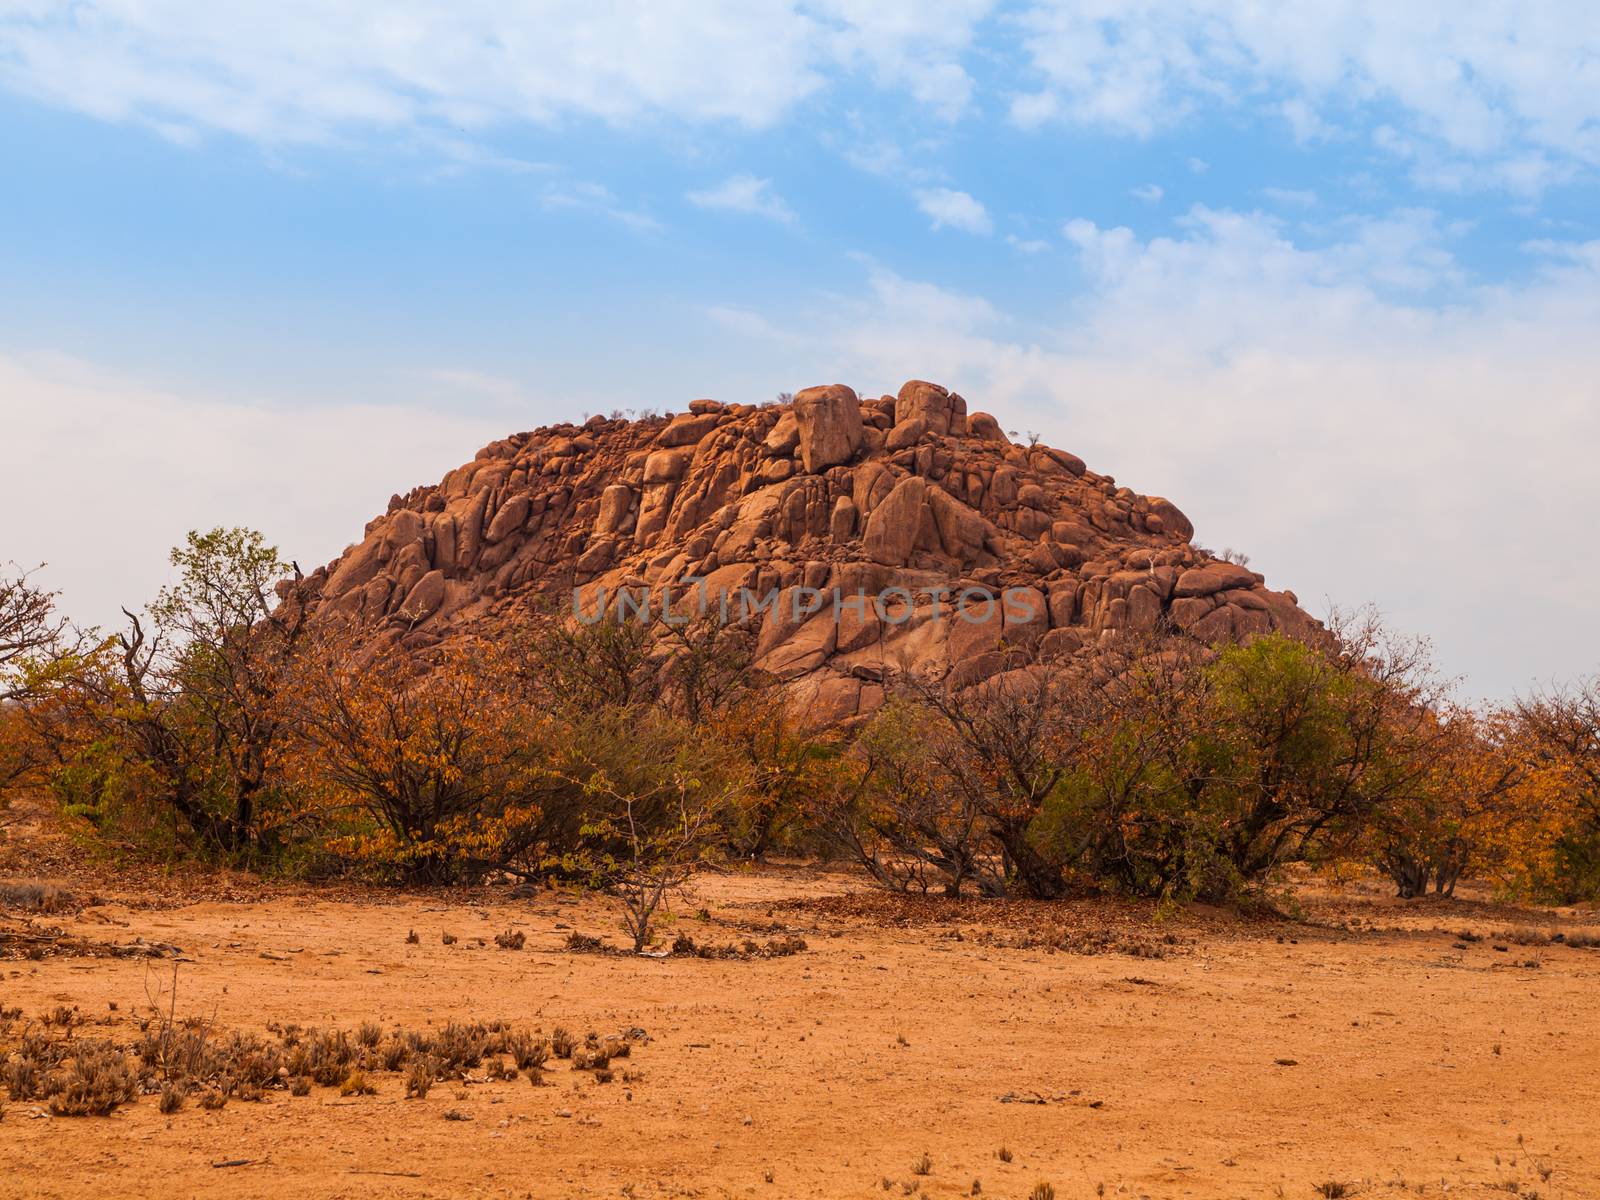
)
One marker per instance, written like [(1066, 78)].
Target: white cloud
[(296, 71), (745, 194), (911, 45), (1150, 193), (1298, 403), (1512, 91), (129, 469), (1027, 245), (1305, 124), (955, 210), (931, 307)]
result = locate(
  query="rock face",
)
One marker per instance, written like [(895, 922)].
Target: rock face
[(862, 536), (829, 423)]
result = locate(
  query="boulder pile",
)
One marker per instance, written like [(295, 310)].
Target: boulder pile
[(863, 536)]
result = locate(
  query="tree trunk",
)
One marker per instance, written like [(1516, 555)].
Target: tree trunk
[(1038, 877)]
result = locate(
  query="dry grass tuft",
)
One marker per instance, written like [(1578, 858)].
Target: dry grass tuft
[(684, 946), (355, 1084), (1527, 936), (176, 1059), (35, 895)]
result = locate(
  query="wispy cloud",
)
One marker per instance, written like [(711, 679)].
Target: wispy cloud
[(745, 194), (1150, 193), (595, 197), (498, 391), (749, 324), (1290, 197)]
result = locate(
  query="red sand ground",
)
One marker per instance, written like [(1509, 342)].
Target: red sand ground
[(1257, 1058)]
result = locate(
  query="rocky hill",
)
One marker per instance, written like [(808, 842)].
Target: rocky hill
[(862, 534)]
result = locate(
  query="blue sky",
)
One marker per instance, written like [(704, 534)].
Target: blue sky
[(1327, 275)]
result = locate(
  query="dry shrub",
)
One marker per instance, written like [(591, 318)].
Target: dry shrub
[(528, 1052), (355, 1084), (780, 947), (458, 1047), (328, 1058), (511, 939), (248, 1060), (179, 1060), (1527, 936), (394, 1053), (29, 1068), (33, 895), (421, 1076), (562, 1043), (100, 1079), (584, 943), (62, 1016)]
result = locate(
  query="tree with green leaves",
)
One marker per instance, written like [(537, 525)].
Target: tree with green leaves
[(189, 697)]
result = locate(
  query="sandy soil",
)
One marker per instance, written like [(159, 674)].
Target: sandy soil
[(1254, 1059)]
